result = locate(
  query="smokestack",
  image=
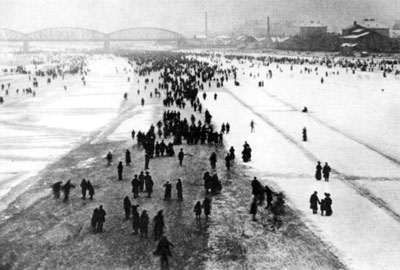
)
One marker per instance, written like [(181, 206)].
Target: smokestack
[(205, 25), (268, 28)]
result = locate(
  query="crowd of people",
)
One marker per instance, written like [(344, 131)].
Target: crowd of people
[(184, 121)]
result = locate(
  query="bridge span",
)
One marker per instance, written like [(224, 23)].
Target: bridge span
[(76, 34)]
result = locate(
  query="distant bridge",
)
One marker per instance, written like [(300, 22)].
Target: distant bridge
[(75, 34)]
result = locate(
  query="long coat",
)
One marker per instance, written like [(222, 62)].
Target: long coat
[(314, 202)]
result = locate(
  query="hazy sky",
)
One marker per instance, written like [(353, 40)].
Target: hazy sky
[(186, 16)]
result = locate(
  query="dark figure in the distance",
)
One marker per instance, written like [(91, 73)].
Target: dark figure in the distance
[(128, 159), (253, 209), (252, 128), (167, 192), (95, 217), (120, 169), (144, 224), (268, 193), (197, 210), (326, 171), (56, 187), (213, 160), (127, 207), (328, 204), (148, 181), (135, 219), (179, 190), (228, 128), (180, 157), (318, 171), (304, 134), (159, 225), (90, 189), (109, 158), (207, 207), (322, 205), (146, 161), (66, 188), (141, 181), (84, 188), (135, 186), (305, 110), (314, 201), (163, 250), (228, 162), (101, 219), (232, 153)]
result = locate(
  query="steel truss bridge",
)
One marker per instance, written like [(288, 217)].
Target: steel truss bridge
[(76, 34)]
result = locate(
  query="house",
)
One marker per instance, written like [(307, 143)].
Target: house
[(366, 36), (312, 28), (367, 24)]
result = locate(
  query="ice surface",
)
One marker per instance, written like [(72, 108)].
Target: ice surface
[(37, 131), (352, 124)]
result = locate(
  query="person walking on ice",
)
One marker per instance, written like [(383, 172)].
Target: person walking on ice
[(326, 171), (252, 126), (314, 201), (318, 171)]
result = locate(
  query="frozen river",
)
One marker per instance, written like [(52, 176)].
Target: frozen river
[(36, 131), (351, 123)]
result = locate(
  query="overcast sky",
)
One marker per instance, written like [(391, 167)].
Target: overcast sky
[(186, 16)]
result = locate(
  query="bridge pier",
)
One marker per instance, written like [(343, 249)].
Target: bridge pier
[(25, 46)]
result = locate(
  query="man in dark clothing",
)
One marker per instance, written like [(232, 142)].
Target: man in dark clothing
[(128, 157), (304, 134), (162, 148), (213, 160), (197, 210), (127, 207), (94, 220), (109, 158), (135, 186), (180, 157), (159, 224), (168, 189), (179, 191), (144, 224), (101, 219), (149, 184), (135, 219), (314, 201), (66, 188), (84, 188), (258, 191), (253, 209), (146, 161), (326, 171), (328, 204), (228, 161), (207, 207), (120, 168), (90, 189), (141, 181), (318, 170), (163, 250), (56, 187), (268, 193)]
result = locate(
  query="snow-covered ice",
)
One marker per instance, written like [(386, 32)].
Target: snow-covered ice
[(352, 124), (35, 131)]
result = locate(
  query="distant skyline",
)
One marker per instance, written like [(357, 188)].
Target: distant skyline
[(187, 16)]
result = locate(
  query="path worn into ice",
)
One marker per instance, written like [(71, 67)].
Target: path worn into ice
[(364, 229)]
